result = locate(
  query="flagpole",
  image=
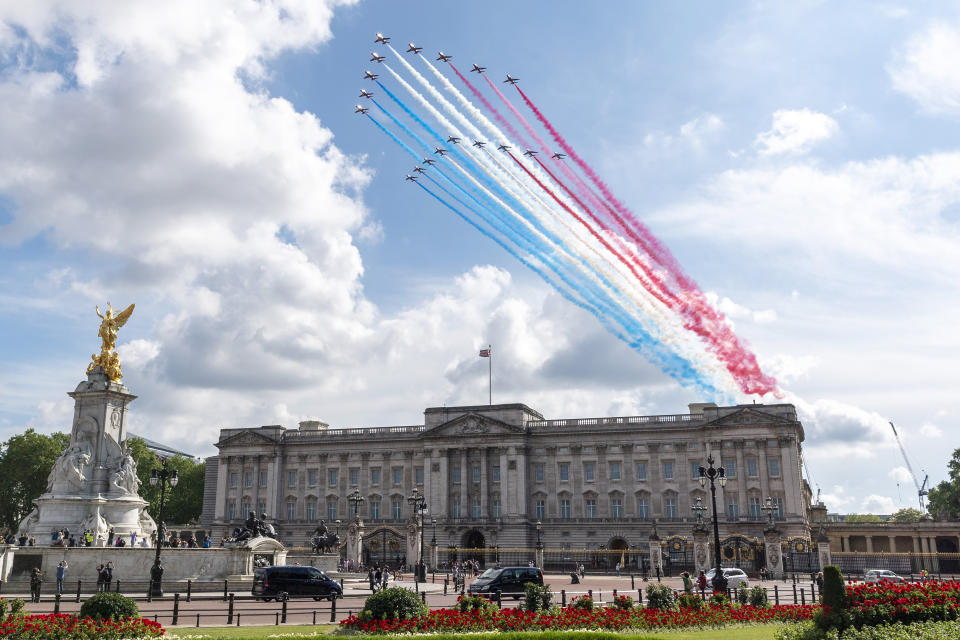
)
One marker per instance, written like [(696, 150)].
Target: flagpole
[(490, 375)]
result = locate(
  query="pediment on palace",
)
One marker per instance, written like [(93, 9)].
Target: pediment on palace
[(473, 424), (245, 438), (747, 417)]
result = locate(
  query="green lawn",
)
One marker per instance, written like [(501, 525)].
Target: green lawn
[(294, 632)]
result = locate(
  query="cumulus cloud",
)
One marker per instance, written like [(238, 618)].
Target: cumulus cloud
[(925, 69), (701, 127), (795, 131), (900, 474), (878, 504), (930, 430)]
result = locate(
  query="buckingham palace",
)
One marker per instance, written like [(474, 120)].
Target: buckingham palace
[(502, 476)]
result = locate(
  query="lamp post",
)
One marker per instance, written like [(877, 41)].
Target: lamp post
[(164, 476), (769, 508), (356, 500), (713, 474), (539, 529), (418, 502), (698, 510)]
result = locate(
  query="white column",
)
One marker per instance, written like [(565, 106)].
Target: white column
[(464, 477), (509, 488), (741, 478), (790, 470), (220, 508), (431, 504), (483, 483), (443, 485), (273, 487)]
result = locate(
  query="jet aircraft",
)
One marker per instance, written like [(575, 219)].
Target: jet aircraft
[(365, 94), (511, 79), (559, 156), (443, 57), (413, 48), (369, 75), (478, 144), (503, 147), (440, 152), (375, 58), (361, 109), (411, 178), (530, 152), (382, 39), (428, 161), (477, 69), (419, 169), (453, 139)]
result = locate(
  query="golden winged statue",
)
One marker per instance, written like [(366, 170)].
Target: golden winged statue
[(108, 359)]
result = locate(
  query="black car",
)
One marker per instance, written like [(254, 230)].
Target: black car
[(294, 581), (506, 580)]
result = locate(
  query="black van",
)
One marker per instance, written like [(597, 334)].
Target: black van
[(506, 580), (294, 581)]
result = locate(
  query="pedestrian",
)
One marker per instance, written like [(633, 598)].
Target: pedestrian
[(820, 582), (386, 578), (100, 575), (687, 582), (133, 538), (61, 574), (89, 538), (618, 569), (72, 542), (109, 575), (763, 574), (378, 577), (371, 577), (657, 567), (36, 580), (110, 537)]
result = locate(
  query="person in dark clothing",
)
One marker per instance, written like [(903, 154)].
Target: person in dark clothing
[(61, 574), (36, 580)]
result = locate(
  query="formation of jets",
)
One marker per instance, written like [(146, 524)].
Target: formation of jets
[(365, 94), (375, 58), (440, 152), (477, 69), (413, 48), (382, 39), (369, 75), (443, 57), (511, 79), (361, 109), (453, 139)]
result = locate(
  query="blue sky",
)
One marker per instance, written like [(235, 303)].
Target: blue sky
[(203, 160)]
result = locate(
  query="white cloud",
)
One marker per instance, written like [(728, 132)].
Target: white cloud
[(735, 311), (929, 430), (795, 131), (694, 131), (878, 504), (926, 69), (901, 475)]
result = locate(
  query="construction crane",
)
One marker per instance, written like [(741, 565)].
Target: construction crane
[(921, 488)]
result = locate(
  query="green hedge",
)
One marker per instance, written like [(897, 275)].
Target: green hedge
[(947, 630)]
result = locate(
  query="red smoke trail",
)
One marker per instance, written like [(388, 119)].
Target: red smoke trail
[(701, 317), (592, 231), (496, 114)]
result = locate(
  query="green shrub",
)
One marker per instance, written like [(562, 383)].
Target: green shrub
[(690, 602), (394, 603), (109, 606), (758, 596), (537, 597), (584, 603), (660, 596), (719, 600), (742, 596), (918, 631), (834, 614), (474, 603), (623, 602)]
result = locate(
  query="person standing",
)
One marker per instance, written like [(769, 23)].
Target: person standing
[(109, 570), (702, 583), (36, 580), (372, 577), (61, 574), (618, 569)]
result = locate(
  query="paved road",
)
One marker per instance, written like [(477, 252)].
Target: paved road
[(214, 611)]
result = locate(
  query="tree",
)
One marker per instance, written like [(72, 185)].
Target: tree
[(862, 517), (25, 464), (945, 497), (184, 502), (907, 515)]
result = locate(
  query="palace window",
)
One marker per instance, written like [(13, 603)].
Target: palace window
[(456, 474), (331, 509), (455, 508), (643, 508), (694, 469), (615, 471), (588, 472), (641, 471), (774, 467), (263, 478), (541, 509), (496, 473), (565, 508), (538, 472), (752, 470), (475, 508), (262, 507), (778, 503), (231, 510), (375, 476), (590, 507), (496, 507), (248, 479), (354, 477), (755, 504), (396, 506), (332, 477), (730, 468), (564, 472), (475, 470), (397, 476), (312, 477), (374, 509), (418, 475), (245, 509), (311, 511), (234, 479), (291, 510), (616, 507), (733, 508), (667, 470), (670, 507), (291, 478)]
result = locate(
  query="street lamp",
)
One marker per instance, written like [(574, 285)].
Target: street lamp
[(698, 510), (433, 541), (418, 502), (356, 500), (539, 529), (164, 476), (713, 474), (769, 508)]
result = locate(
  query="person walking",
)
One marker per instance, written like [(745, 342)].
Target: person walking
[(618, 569), (36, 580), (702, 583), (386, 578), (61, 574), (687, 582), (109, 570)]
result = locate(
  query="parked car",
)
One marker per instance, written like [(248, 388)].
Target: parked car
[(736, 578), (506, 580), (294, 581), (876, 575)]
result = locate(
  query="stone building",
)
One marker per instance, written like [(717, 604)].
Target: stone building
[(491, 473)]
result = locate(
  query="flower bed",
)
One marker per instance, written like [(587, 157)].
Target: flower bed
[(59, 626), (450, 620), (886, 602)]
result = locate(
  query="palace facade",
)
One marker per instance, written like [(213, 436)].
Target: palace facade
[(490, 474)]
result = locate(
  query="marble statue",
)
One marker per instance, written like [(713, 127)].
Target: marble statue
[(125, 479), (108, 359), (67, 471), (95, 523)]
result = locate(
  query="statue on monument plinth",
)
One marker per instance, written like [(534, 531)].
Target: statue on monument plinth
[(67, 472), (108, 359), (125, 479)]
